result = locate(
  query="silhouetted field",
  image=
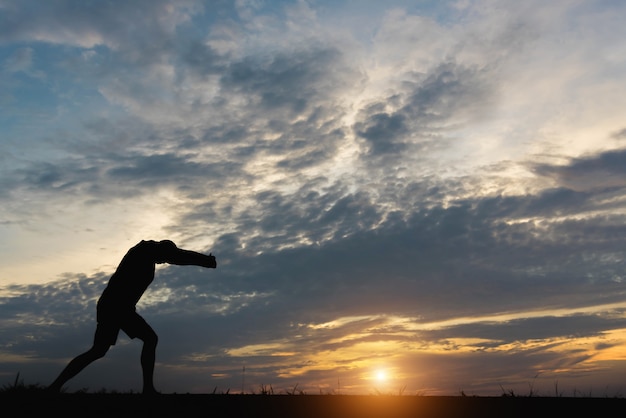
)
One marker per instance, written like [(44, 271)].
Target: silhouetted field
[(294, 406)]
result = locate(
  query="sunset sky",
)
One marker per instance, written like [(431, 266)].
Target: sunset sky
[(418, 197)]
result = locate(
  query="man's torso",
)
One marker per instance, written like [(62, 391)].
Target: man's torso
[(132, 277)]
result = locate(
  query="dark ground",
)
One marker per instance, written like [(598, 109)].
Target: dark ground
[(295, 406)]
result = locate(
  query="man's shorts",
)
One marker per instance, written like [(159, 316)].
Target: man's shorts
[(110, 321)]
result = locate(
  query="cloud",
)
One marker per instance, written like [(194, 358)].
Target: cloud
[(423, 117), (420, 268), (602, 171), (87, 25), (619, 134), (163, 169), (286, 82)]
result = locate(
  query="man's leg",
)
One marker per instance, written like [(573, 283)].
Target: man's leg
[(148, 358), (79, 363), (137, 327)]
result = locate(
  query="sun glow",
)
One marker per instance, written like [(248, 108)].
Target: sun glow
[(381, 376)]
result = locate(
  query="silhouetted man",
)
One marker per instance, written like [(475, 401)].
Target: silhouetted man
[(116, 306)]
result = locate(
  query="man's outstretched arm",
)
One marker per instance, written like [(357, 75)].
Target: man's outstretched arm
[(182, 257)]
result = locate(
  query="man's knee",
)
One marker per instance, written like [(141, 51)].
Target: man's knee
[(150, 338), (98, 351)]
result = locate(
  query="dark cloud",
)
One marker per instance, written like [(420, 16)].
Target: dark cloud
[(294, 83), (428, 104), (158, 169), (381, 129), (199, 59), (121, 174), (137, 23), (526, 329), (621, 134), (51, 176), (439, 259), (602, 171)]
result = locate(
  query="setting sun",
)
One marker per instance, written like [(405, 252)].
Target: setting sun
[(381, 376)]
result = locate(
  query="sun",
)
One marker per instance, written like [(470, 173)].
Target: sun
[(381, 375)]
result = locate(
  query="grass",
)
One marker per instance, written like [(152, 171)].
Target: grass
[(34, 400), (18, 386)]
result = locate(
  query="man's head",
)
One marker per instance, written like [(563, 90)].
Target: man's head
[(164, 250)]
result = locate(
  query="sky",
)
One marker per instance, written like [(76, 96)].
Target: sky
[(406, 197)]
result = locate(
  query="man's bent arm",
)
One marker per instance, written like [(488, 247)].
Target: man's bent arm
[(182, 257)]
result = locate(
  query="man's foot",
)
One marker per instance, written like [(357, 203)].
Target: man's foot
[(151, 392), (53, 390)]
